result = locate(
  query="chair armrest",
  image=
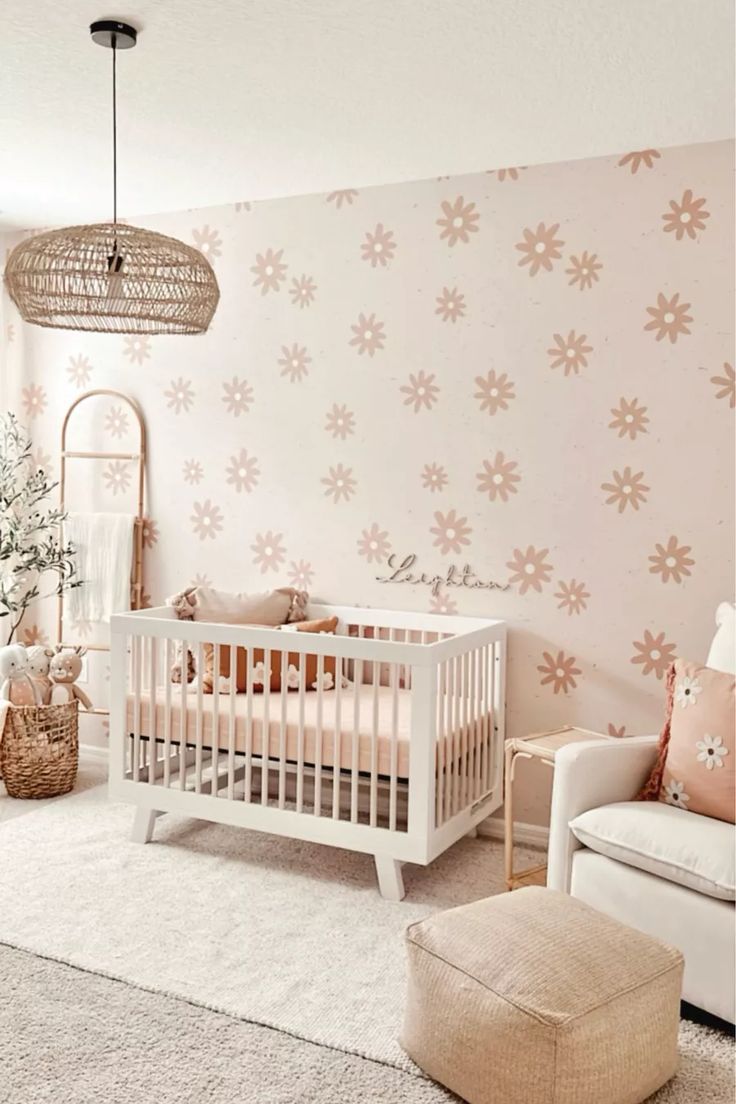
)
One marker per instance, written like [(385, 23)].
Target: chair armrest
[(587, 775)]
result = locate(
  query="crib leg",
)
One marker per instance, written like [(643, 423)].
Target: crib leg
[(390, 880), (143, 823)]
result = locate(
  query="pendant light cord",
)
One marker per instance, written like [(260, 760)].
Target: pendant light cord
[(114, 136)]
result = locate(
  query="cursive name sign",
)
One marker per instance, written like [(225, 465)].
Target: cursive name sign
[(454, 577)]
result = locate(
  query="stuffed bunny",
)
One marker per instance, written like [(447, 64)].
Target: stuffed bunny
[(39, 659), (16, 685), (64, 670)]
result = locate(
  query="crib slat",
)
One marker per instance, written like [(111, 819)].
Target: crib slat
[(441, 692), (300, 735), (479, 724), (337, 741), (153, 753), (231, 723), (376, 679), (282, 729), (464, 730), (355, 747), (266, 727), (449, 749), (491, 741), (457, 732), (393, 779), (247, 794), (135, 646), (318, 738), (167, 712), (215, 714), (199, 671), (183, 717)]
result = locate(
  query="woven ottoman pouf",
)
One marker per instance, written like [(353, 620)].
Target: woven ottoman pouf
[(533, 997)]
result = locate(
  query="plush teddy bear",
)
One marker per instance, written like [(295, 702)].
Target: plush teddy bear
[(39, 659), (16, 685), (64, 669)]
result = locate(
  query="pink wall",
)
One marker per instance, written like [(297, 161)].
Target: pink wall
[(527, 371)]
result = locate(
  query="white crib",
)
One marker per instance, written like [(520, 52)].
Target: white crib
[(399, 759)]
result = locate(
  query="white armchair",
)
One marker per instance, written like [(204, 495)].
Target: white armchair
[(644, 862)]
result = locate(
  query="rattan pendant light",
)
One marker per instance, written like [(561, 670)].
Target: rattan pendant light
[(111, 277)]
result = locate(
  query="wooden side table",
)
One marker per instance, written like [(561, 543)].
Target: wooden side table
[(544, 746)]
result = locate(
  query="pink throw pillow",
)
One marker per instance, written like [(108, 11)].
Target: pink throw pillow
[(696, 766)]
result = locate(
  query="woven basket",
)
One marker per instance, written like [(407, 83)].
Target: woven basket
[(39, 750)]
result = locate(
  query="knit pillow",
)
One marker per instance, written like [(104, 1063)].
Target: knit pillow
[(696, 764), (258, 673)]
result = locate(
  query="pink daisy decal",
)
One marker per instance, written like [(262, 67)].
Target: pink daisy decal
[(368, 334), (79, 370), (494, 392), (442, 604), (270, 271), (451, 532), (137, 348), (208, 242), (339, 483), (294, 362), (654, 654), (530, 569), (374, 544), (149, 532), (302, 291), (34, 400), (116, 476), (559, 671), (421, 391), (269, 551), (498, 478), (206, 520), (193, 471), (340, 422), (540, 248), (180, 395), (573, 596), (434, 477), (116, 422), (450, 305), (32, 634), (301, 574), (237, 397), (570, 353), (343, 196), (458, 221), (242, 471), (378, 247)]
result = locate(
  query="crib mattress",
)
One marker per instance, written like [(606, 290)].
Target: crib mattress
[(336, 747)]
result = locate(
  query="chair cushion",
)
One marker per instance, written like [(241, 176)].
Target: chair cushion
[(693, 851)]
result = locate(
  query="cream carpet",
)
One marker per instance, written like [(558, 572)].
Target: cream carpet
[(282, 933)]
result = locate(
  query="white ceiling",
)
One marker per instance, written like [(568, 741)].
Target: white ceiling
[(226, 100)]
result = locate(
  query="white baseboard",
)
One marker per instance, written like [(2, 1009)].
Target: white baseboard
[(536, 835)]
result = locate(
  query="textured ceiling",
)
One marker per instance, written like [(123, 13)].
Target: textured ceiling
[(225, 100)]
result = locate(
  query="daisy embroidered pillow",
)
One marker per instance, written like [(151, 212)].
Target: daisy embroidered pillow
[(696, 768)]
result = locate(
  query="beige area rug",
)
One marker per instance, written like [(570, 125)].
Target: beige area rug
[(279, 932)]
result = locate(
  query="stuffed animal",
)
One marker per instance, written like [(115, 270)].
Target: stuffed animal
[(64, 670), (39, 659), (16, 685)]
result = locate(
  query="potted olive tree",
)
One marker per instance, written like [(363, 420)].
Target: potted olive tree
[(35, 562)]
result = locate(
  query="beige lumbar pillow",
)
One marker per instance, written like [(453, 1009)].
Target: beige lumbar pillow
[(272, 607)]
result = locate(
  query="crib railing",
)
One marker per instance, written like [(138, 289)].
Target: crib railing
[(404, 738)]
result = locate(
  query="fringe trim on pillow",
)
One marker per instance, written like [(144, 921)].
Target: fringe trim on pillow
[(651, 788), (298, 607), (183, 604)]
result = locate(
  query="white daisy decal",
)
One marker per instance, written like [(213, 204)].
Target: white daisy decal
[(258, 674), (686, 692), (674, 794), (711, 751), (328, 681)]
